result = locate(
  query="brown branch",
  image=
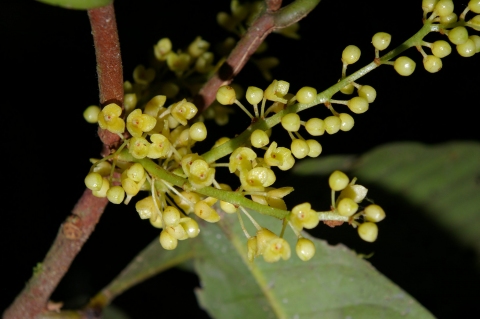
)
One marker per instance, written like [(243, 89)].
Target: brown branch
[(107, 51), (109, 65), (237, 59), (74, 232), (269, 21)]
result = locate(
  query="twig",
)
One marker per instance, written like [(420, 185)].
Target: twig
[(269, 21), (74, 232), (109, 66)]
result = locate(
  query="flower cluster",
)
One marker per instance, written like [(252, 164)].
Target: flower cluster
[(440, 15), (157, 155), (165, 136), (160, 139), (454, 27), (347, 205)]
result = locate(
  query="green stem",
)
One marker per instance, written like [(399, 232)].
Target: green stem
[(228, 147), (331, 216), (234, 198), (322, 97), (78, 4)]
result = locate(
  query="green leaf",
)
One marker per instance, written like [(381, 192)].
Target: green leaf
[(442, 180), (77, 4), (335, 283)]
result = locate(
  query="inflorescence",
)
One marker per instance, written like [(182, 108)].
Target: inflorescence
[(157, 153)]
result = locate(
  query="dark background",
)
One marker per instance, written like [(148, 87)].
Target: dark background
[(49, 77)]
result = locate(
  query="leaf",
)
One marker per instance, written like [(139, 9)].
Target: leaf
[(77, 4), (335, 283), (443, 180)]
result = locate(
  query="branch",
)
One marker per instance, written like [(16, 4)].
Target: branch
[(75, 231), (109, 66), (249, 43), (107, 51)]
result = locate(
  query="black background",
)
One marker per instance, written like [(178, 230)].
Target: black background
[(49, 77)]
